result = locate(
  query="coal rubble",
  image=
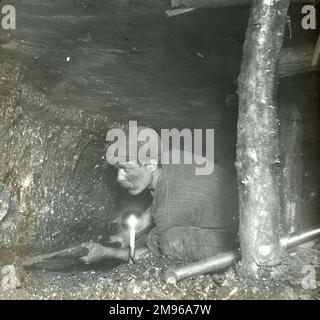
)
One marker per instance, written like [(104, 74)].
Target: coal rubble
[(143, 281)]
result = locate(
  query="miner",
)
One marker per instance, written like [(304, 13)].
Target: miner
[(193, 216)]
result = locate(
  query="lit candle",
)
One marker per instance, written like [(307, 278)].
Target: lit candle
[(132, 221)]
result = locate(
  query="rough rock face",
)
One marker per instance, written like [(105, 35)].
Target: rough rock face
[(10, 278), (55, 188)]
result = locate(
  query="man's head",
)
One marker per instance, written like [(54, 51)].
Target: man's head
[(136, 154), (136, 177)]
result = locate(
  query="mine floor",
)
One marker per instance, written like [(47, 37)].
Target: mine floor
[(144, 281)]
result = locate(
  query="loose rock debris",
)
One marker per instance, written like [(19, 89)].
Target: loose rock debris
[(143, 280)]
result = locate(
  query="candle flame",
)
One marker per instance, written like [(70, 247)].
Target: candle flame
[(132, 221)]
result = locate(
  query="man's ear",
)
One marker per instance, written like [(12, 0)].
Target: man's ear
[(153, 164)]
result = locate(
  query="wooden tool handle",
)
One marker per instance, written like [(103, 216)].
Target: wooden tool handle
[(75, 252)]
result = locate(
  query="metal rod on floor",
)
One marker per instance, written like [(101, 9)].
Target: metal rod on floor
[(226, 259)]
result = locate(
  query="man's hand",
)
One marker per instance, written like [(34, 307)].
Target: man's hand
[(96, 252), (144, 225)]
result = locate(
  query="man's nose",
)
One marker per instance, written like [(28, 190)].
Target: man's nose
[(121, 175)]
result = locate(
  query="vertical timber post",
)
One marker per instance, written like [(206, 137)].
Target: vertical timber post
[(258, 163), (290, 146)]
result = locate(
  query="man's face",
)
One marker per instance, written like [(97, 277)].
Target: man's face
[(134, 177)]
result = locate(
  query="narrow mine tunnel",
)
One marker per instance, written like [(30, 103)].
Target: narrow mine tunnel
[(71, 71)]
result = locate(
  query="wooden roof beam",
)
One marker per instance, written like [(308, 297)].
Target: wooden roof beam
[(297, 60), (218, 3)]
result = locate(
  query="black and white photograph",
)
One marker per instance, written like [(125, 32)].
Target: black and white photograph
[(159, 150)]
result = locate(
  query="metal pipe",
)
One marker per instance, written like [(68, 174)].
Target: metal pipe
[(300, 237), (212, 264), (226, 259)]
